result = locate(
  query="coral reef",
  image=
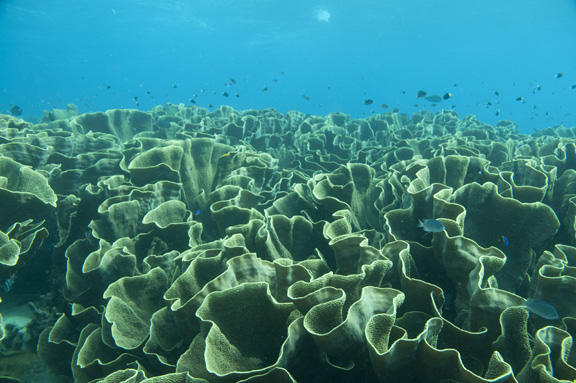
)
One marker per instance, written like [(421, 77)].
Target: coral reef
[(254, 246)]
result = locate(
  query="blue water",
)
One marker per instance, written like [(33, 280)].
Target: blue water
[(316, 57)]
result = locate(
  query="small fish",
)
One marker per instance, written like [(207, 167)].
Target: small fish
[(163, 124), (421, 93), (265, 89), (236, 94), (497, 93), (192, 101), (306, 98), (395, 110), (447, 96), (225, 94), (227, 154), (191, 168), (498, 112), (520, 99), (505, 241), (431, 225), (434, 98), (368, 101), (197, 212), (210, 105), (573, 86), (560, 74), (7, 284), (174, 86), (147, 92), (15, 110), (541, 308), (384, 106), (232, 80)]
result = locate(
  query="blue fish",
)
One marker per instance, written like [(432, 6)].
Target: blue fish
[(162, 124), (197, 211), (541, 308), (7, 284), (431, 225), (505, 241)]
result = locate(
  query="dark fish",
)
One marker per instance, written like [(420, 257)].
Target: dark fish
[(498, 112), (434, 98), (232, 81), (395, 110), (225, 94), (520, 99), (421, 93), (107, 86), (192, 101), (275, 80), (147, 92), (306, 98), (447, 96), (573, 86), (236, 94), (431, 225), (384, 106), (174, 86), (488, 104), (15, 110), (368, 101), (497, 93), (541, 308), (282, 73), (560, 74), (210, 105), (265, 90), (135, 98)]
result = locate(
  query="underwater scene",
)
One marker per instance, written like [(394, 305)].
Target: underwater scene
[(224, 191)]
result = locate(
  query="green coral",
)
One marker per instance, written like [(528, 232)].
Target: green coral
[(254, 246)]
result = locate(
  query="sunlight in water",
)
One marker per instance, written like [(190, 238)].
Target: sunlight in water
[(323, 15)]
